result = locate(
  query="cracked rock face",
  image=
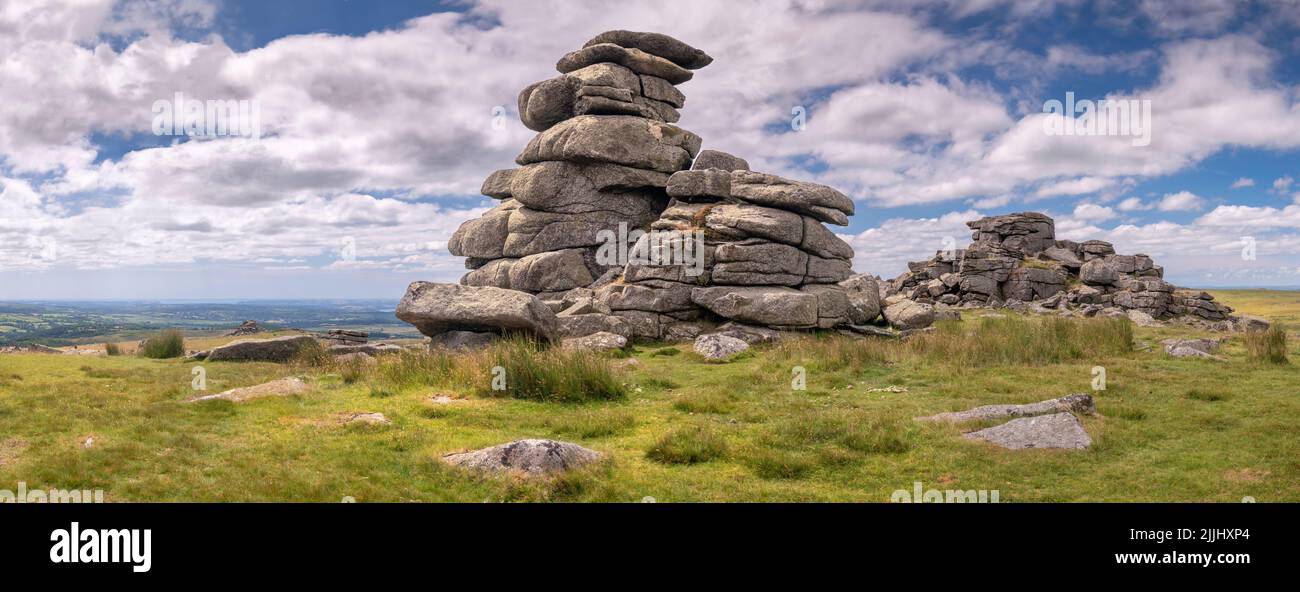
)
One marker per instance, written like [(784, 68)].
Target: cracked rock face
[(529, 457)]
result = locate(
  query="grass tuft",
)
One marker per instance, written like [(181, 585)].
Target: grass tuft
[(688, 446), (522, 369), (169, 343), (1268, 346), (112, 349)]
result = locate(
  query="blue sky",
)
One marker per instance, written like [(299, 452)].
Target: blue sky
[(379, 130)]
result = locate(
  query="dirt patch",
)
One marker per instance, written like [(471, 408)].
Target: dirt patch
[(10, 449), (1245, 475)]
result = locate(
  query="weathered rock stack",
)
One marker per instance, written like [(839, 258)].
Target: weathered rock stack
[(762, 255), (606, 167), (1016, 261), (605, 151)]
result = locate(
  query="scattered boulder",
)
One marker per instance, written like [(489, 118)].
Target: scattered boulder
[(356, 358), (716, 346), (370, 349), (276, 388), (276, 349), (366, 419), (908, 315), (1246, 323), (533, 458), (1058, 430), (1072, 403), (1192, 348)]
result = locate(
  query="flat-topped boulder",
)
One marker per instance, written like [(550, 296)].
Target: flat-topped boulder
[(818, 201), (631, 58), (532, 458), (1072, 403), (283, 387), (438, 308), (656, 44), (619, 139), (1058, 430), (275, 349)]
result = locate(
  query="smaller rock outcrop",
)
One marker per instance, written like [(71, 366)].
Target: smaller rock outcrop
[(246, 328)]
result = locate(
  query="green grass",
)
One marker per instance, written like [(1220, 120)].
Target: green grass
[(166, 344), (1167, 430), (1267, 346), (112, 349), (687, 446)]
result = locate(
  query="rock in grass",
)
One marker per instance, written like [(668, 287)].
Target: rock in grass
[(276, 388), (1076, 403), (716, 346), (907, 315), (1059, 430), (277, 349), (1143, 319), (533, 458), (366, 418)]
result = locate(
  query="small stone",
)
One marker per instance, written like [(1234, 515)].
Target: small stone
[(715, 346)]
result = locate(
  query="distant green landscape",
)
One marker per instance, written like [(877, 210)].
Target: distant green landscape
[(64, 323)]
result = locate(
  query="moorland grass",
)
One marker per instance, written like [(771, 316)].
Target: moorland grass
[(168, 343), (1268, 346), (688, 445), (1167, 429)]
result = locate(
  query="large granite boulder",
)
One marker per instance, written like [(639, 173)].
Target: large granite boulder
[(619, 139), (275, 349), (437, 308), (760, 305), (574, 188), (909, 315)]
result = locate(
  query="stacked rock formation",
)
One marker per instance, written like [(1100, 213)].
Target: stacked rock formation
[(1016, 261), (601, 160), (764, 256), (608, 162)]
